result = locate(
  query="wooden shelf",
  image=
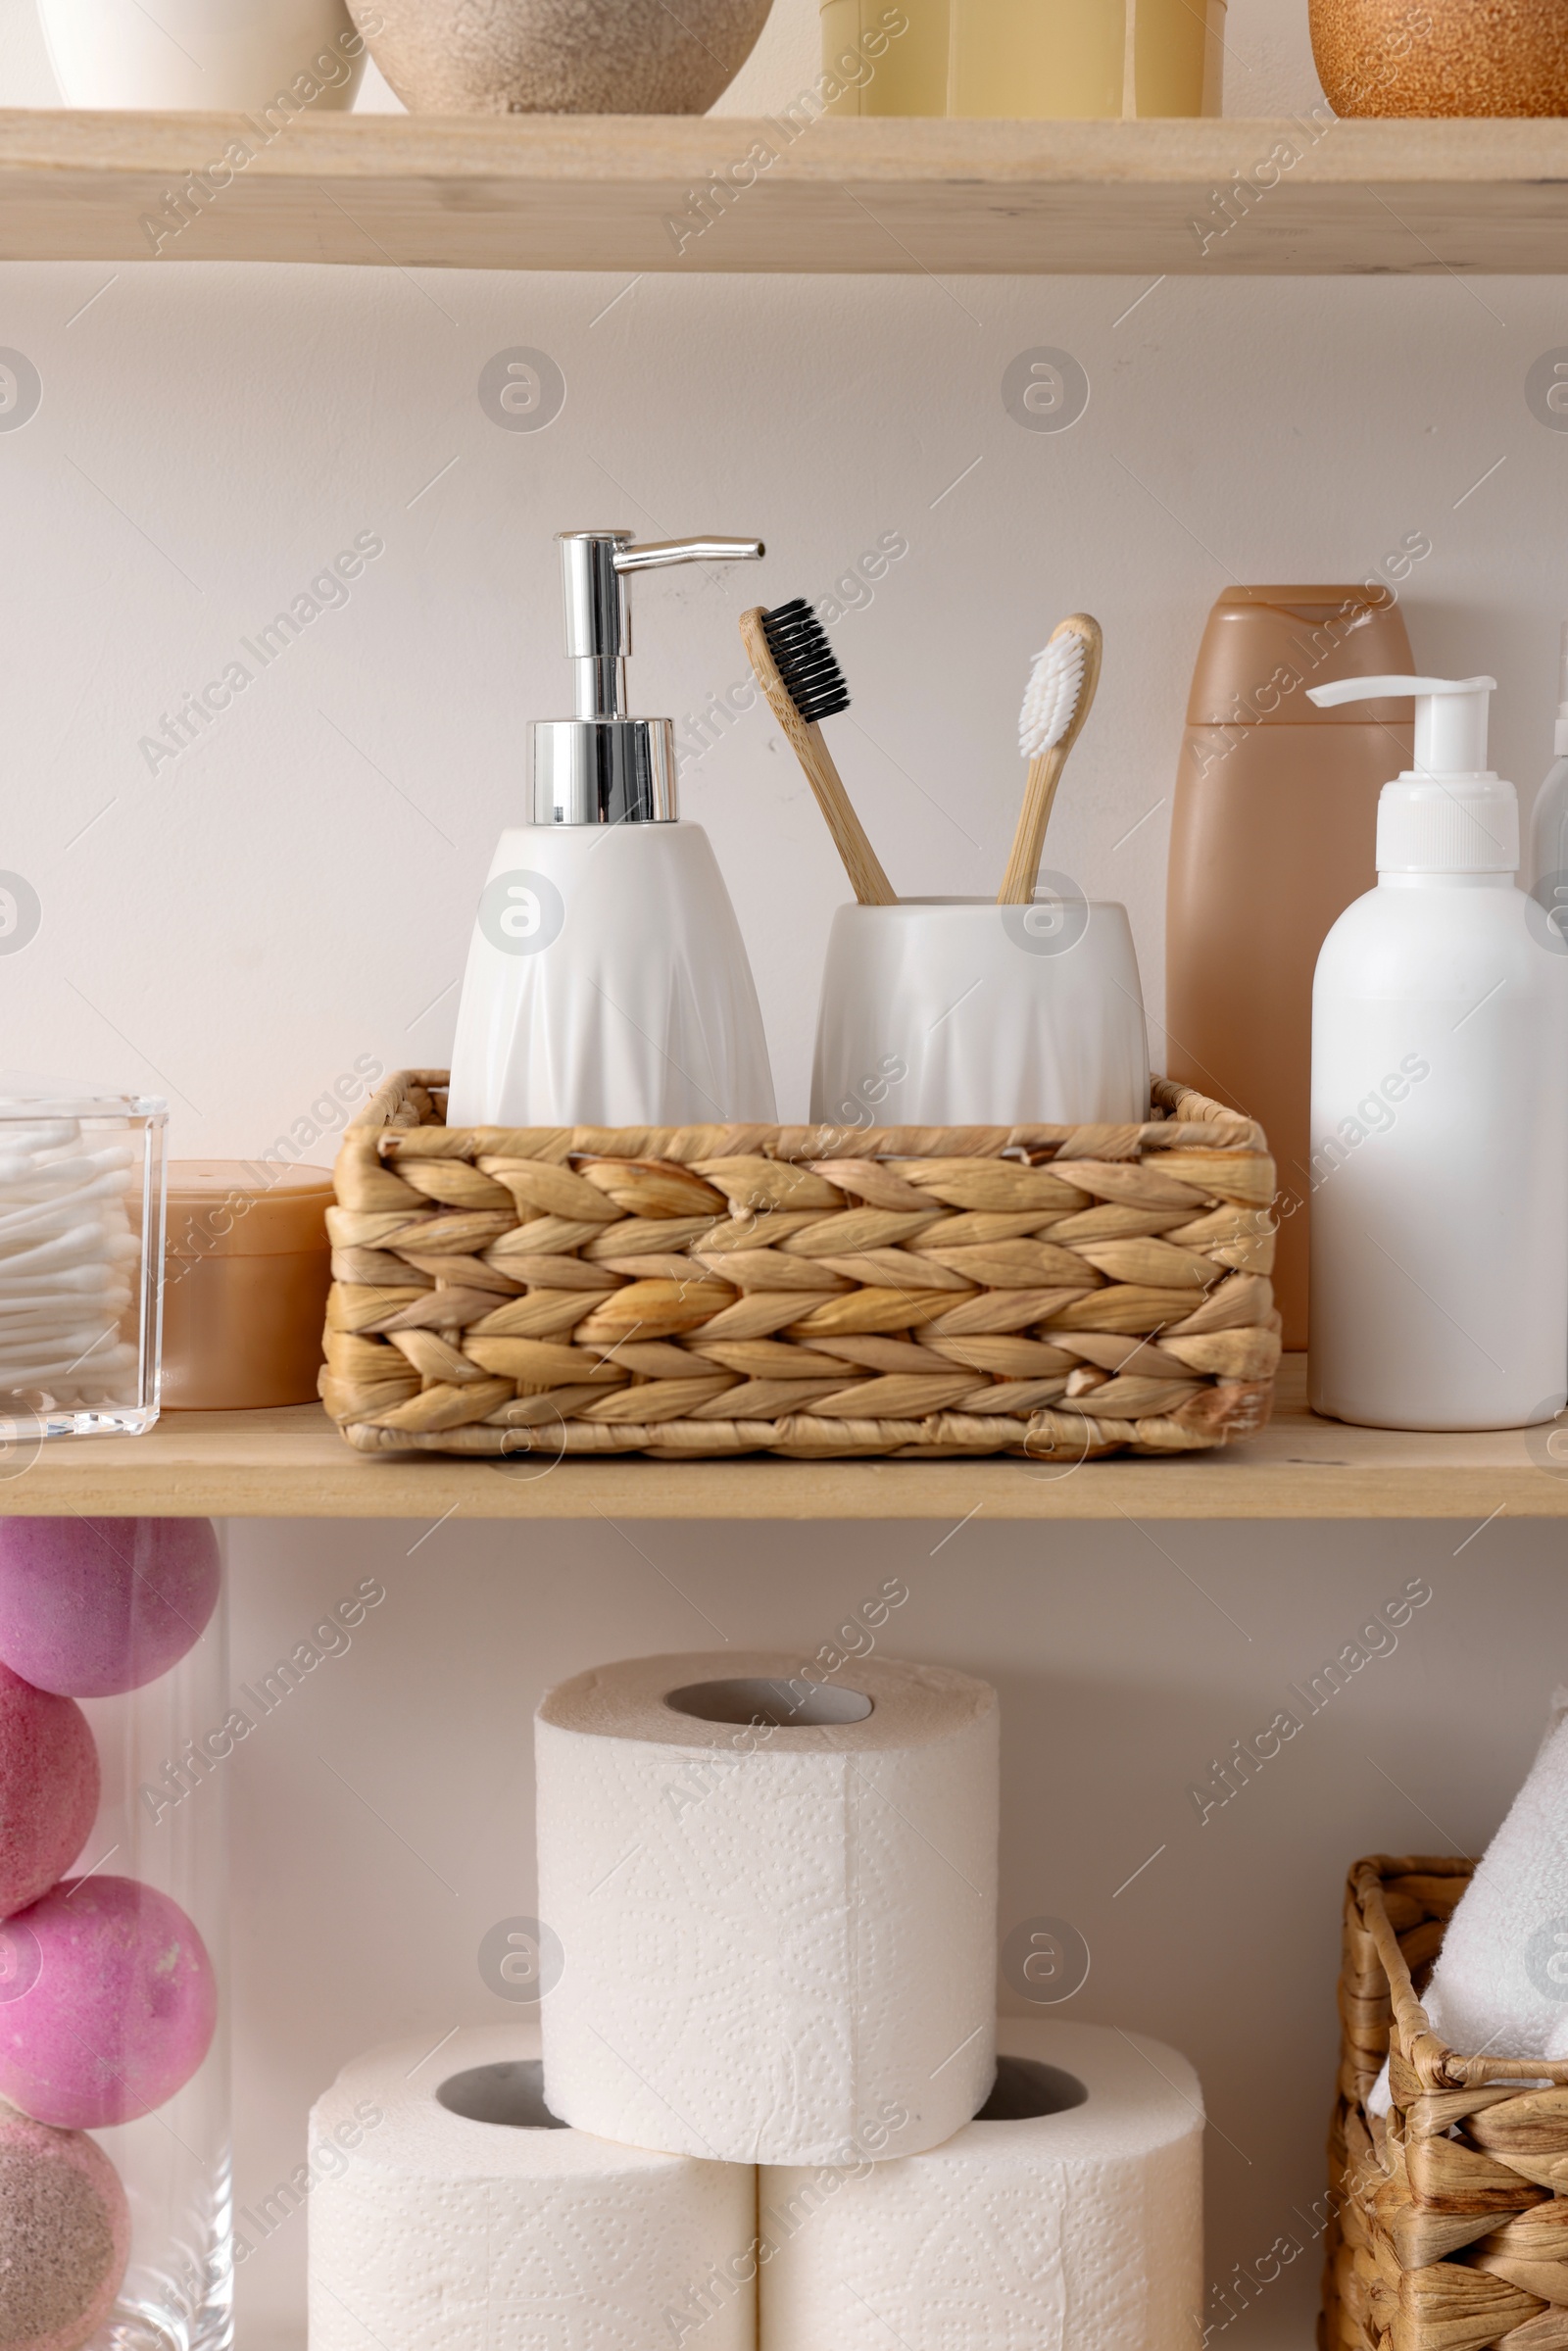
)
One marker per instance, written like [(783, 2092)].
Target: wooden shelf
[(600, 192), (293, 1464)]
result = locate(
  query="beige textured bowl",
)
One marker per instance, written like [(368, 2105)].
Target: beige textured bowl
[(568, 57), (1442, 57)]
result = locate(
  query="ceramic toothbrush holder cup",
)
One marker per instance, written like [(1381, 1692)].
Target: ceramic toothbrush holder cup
[(960, 1012)]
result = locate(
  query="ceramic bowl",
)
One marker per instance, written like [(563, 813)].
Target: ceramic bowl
[(568, 56), (1442, 57)]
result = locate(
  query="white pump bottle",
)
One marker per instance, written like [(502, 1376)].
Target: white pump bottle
[(1549, 820), (1440, 1104), (608, 983)]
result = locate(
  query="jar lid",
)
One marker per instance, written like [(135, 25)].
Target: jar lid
[(236, 1208), (1263, 647), (24, 1095)]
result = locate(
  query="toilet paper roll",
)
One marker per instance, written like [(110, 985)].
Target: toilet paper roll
[(452, 2211), (776, 1900), (1071, 2222)]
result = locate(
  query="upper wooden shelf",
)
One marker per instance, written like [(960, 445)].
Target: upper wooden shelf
[(294, 1465), (621, 193)]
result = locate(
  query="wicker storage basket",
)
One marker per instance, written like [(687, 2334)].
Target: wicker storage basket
[(1449, 2228), (799, 1290)]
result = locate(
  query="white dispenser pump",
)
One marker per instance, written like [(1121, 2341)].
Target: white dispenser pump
[(1450, 813), (1450, 716)]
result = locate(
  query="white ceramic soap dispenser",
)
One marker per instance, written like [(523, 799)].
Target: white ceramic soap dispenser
[(1440, 1104), (607, 983)]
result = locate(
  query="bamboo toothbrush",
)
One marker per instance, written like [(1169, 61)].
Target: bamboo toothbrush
[(1060, 695), (794, 664)]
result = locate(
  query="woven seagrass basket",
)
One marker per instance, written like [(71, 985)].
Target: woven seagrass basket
[(1449, 2221), (1060, 1292)]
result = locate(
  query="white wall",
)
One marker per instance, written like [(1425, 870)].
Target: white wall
[(297, 889)]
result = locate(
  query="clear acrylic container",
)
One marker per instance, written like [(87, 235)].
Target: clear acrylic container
[(136, 2073), (81, 1191)]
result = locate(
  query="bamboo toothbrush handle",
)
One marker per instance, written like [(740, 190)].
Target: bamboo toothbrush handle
[(1044, 769), (861, 863), (1029, 841)]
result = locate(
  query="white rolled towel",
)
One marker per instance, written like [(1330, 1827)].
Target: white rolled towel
[(1501, 1984)]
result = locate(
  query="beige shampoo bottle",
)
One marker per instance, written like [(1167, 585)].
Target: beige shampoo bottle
[(1273, 835)]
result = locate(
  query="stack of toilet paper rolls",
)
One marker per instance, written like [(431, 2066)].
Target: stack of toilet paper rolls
[(768, 2102)]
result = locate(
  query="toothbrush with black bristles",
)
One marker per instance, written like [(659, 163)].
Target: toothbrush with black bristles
[(794, 664)]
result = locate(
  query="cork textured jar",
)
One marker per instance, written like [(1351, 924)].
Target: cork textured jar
[(1442, 57), (568, 57)]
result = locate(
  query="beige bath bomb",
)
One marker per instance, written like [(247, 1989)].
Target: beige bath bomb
[(566, 57), (65, 2235)]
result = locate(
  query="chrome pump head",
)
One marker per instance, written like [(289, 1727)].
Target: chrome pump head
[(601, 766)]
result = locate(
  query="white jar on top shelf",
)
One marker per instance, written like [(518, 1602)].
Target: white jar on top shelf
[(206, 56)]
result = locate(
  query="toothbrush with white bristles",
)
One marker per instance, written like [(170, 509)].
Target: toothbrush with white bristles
[(1060, 695)]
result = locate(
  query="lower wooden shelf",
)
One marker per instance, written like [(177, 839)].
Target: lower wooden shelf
[(293, 1464)]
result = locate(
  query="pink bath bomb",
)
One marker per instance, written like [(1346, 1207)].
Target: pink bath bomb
[(93, 1606), (48, 1791), (65, 2236), (106, 2003)]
